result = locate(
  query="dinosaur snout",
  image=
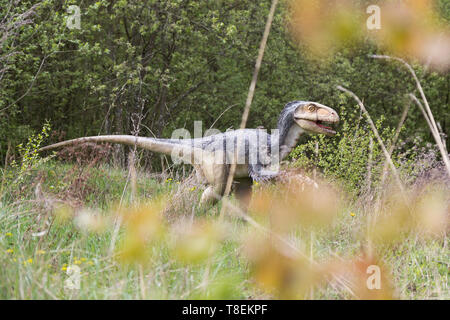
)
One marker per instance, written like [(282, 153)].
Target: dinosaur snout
[(327, 115), (334, 117)]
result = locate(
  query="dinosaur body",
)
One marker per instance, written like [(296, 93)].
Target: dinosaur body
[(254, 150)]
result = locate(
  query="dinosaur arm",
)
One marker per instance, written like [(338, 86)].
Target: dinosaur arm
[(260, 173)]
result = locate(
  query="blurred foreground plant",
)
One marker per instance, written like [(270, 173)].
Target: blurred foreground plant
[(425, 212), (144, 225), (194, 241), (410, 28), (280, 272), (277, 246), (297, 204)]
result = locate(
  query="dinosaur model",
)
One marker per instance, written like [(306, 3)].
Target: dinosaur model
[(254, 151)]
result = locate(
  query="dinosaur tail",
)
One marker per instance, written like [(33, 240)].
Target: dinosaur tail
[(155, 145)]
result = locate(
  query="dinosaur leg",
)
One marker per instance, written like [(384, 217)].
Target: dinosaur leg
[(212, 194), (243, 192), (216, 175)]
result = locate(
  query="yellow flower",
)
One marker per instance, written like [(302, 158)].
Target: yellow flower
[(10, 251), (352, 214), (64, 269), (29, 261), (90, 263), (83, 259), (193, 188), (8, 234), (168, 179), (65, 265), (256, 183), (40, 252), (77, 262)]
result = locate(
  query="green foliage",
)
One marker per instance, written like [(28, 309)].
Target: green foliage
[(347, 156), (18, 174), (29, 152)]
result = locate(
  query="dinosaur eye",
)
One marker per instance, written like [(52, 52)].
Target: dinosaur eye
[(311, 108)]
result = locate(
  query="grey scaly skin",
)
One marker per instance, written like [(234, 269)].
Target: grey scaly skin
[(211, 156)]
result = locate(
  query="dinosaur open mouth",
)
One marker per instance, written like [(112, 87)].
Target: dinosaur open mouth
[(322, 124), (325, 125), (319, 126)]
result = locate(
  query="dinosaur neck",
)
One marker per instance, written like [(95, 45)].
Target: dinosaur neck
[(289, 139), (289, 132)]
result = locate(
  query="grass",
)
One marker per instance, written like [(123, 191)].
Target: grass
[(35, 265), (66, 244)]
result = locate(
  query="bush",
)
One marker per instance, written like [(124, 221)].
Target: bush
[(353, 156)]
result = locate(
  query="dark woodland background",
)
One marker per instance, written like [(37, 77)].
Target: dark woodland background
[(154, 66)]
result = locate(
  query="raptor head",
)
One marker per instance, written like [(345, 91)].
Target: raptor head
[(314, 117)]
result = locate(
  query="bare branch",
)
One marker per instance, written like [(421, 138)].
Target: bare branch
[(431, 122), (419, 104), (394, 140), (251, 91), (377, 135)]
